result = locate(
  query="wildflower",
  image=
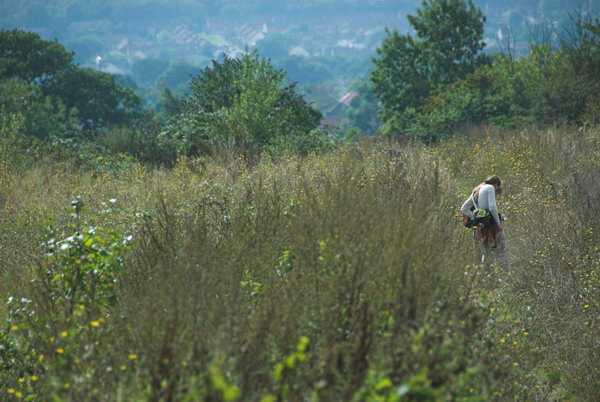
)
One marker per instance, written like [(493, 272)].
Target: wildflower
[(95, 323), (21, 380), (123, 367), (133, 356), (41, 357), (10, 391), (60, 351), (64, 334), (516, 364), (19, 394), (34, 378), (14, 328), (502, 340)]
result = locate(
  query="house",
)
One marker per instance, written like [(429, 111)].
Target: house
[(299, 51), (334, 117), (184, 37), (344, 103), (249, 35)]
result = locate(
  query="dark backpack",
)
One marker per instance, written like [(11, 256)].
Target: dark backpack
[(482, 218)]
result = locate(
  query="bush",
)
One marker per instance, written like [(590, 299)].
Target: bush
[(240, 106)]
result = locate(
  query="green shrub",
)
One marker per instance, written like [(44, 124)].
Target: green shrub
[(240, 106)]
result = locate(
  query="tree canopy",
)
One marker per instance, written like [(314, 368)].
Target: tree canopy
[(245, 104), (61, 86), (26, 56), (447, 45)]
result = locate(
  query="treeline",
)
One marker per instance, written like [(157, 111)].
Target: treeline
[(239, 106), (437, 80), (50, 95), (425, 85), (245, 105)]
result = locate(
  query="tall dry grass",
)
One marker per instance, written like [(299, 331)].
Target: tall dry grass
[(331, 277)]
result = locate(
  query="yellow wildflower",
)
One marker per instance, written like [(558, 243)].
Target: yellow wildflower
[(95, 323), (10, 391), (133, 356), (60, 351), (64, 334), (34, 378)]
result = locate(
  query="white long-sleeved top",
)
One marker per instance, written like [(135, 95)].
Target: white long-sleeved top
[(485, 200)]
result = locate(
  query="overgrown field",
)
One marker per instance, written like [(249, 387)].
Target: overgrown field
[(340, 276)]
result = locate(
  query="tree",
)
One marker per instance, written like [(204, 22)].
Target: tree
[(41, 116), (242, 105), (400, 78), (26, 56), (177, 76), (100, 101), (452, 34), (146, 71), (446, 47)]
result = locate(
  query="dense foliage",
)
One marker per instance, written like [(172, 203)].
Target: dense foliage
[(551, 84), (242, 106), (447, 45), (55, 95)]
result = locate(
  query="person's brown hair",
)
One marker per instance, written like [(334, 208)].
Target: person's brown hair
[(493, 179)]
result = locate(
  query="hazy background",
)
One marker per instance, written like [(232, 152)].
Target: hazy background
[(324, 45)]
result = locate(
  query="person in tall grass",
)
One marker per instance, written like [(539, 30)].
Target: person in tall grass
[(488, 238)]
